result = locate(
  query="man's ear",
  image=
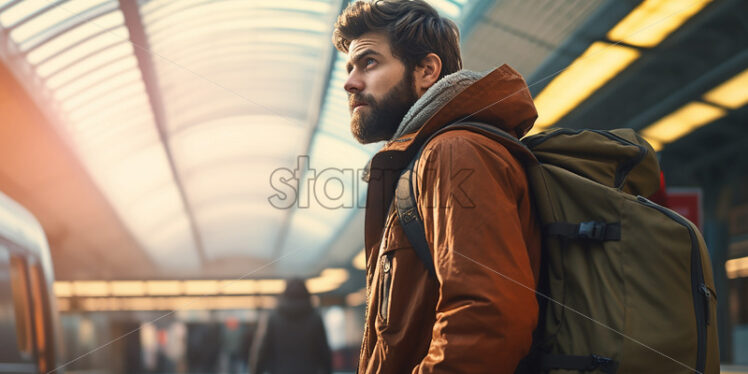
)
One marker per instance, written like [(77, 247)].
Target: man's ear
[(426, 73)]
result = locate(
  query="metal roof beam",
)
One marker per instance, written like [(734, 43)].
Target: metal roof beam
[(316, 109), (142, 50)]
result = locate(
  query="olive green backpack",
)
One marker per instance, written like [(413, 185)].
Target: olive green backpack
[(626, 284)]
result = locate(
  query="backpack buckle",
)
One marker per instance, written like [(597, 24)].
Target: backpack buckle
[(599, 362), (591, 230)]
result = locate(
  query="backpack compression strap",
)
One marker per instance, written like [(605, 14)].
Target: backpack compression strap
[(406, 200), (581, 363), (410, 220)]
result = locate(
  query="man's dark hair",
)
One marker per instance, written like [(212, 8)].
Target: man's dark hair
[(413, 27)]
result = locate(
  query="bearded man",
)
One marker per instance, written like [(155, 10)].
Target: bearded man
[(477, 312)]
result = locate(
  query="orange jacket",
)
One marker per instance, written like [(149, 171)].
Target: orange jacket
[(481, 228)]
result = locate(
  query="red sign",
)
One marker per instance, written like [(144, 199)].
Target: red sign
[(686, 202)]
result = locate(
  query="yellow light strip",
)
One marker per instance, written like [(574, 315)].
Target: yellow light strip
[(737, 268), (590, 71), (646, 26), (732, 94), (63, 289), (126, 288), (356, 298), (167, 303), (656, 144), (683, 121), (201, 287), (239, 287), (328, 280), (163, 287), (359, 262), (91, 288), (653, 20)]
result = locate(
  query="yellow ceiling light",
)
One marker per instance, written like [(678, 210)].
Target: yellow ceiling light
[(328, 280), (201, 287), (356, 298), (238, 287), (163, 287), (271, 286), (737, 268), (91, 288), (63, 289), (653, 20), (127, 288), (169, 303), (682, 121), (590, 71), (656, 144), (359, 262), (335, 274), (732, 94)]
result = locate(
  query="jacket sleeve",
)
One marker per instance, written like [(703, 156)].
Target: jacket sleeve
[(468, 196)]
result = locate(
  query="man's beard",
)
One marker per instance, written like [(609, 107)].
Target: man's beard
[(384, 116)]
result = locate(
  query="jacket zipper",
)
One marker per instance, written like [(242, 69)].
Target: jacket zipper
[(369, 291), (385, 289), (699, 288)]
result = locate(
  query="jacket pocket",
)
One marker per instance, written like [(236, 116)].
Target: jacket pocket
[(385, 286)]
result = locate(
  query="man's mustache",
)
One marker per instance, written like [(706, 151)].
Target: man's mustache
[(358, 98)]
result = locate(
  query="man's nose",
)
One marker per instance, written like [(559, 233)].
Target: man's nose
[(353, 84)]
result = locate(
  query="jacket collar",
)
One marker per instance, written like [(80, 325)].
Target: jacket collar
[(500, 98)]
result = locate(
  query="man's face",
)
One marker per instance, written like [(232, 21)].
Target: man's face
[(380, 90)]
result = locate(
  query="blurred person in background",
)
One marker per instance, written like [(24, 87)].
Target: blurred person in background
[(292, 340)]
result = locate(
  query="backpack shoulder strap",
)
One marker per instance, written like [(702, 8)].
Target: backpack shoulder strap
[(405, 197)]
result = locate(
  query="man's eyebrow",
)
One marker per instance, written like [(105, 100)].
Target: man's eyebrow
[(359, 56)]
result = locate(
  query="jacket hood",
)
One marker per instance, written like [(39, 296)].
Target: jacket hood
[(435, 97), (500, 98)]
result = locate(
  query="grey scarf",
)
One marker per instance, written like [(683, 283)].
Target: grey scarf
[(435, 97)]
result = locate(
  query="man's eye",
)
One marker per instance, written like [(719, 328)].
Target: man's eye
[(370, 61)]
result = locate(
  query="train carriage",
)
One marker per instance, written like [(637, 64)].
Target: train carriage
[(29, 325)]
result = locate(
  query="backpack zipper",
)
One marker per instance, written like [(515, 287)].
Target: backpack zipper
[(699, 288), (624, 169)]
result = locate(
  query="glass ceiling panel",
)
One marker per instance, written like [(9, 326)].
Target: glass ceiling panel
[(190, 111), (239, 82), (54, 43), (81, 49), (231, 160), (241, 137), (100, 90), (236, 79), (335, 194), (92, 70), (266, 19), (158, 8), (242, 228), (58, 17)]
